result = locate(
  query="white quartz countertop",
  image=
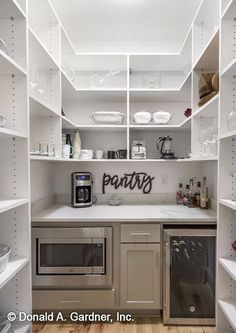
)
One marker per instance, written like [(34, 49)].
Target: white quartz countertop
[(105, 213)]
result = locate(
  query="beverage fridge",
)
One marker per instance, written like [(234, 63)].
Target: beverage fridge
[(189, 276)]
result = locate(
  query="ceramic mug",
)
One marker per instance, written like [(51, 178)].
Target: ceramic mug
[(111, 154), (121, 154), (98, 154), (86, 154), (66, 151)]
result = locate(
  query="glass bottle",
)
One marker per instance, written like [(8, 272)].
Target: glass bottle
[(186, 196), (197, 195), (69, 142), (180, 194), (191, 195), (204, 195)]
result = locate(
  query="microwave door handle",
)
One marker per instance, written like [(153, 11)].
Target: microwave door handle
[(69, 301)]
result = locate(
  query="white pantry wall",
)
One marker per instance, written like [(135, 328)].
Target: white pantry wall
[(176, 172), (42, 180)]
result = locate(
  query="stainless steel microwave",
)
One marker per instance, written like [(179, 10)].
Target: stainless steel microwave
[(72, 256)]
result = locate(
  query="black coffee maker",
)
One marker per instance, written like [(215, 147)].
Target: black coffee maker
[(82, 189), (164, 146)]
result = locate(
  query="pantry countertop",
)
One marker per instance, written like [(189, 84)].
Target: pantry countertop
[(128, 213)]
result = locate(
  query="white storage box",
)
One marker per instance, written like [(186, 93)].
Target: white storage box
[(108, 117)]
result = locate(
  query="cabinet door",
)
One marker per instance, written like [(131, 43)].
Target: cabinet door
[(140, 276)]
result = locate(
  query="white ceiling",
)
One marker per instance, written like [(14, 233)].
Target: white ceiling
[(90, 22)]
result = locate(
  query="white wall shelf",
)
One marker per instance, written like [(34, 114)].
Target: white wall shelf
[(229, 10), (209, 57), (8, 66), (41, 51), (67, 123), (229, 264), (210, 109), (41, 109), (13, 267), (11, 9), (6, 205), (228, 203), (228, 135), (7, 132), (229, 309), (230, 69)]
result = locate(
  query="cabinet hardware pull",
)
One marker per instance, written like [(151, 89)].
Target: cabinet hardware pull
[(139, 233), (76, 301)]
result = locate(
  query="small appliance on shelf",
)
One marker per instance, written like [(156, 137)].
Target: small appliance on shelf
[(82, 189), (138, 150), (164, 147)]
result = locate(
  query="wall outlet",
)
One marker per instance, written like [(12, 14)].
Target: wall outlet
[(163, 179)]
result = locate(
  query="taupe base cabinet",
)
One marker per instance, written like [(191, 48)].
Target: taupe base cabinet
[(140, 267)]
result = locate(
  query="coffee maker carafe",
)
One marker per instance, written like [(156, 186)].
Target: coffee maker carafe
[(82, 189), (164, 146)]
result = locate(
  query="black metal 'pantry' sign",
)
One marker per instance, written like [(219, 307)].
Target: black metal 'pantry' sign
[(139, 180)]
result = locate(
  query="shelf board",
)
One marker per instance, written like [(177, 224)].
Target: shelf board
[(229, 309), (8, 132), (228, 203), (8, 66), (202, 159), (209, 59), (41, 109), (210, 109), (230, 69), (66, 81), (13, 267), (183, 94), (228, 134), (229, 11), (182, 126), (10, 9), (6, 205), (67, 123), (71, 95), (156, 160), (20, 328), (40, 51), (229, 264), (107, 128)]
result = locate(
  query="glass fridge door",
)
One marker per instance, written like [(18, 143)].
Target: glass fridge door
[(190, 273)]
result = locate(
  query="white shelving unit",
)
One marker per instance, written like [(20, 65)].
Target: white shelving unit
[(226, 268), (15, 281)]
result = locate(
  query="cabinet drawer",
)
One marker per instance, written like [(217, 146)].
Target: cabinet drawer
[(73, 299), (140, 233)]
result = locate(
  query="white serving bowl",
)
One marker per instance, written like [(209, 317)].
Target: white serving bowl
[(161, 117), (142, 117)]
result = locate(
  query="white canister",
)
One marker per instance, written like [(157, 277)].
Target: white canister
[(77, 145)]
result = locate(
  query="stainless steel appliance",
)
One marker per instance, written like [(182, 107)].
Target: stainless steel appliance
[(164, 147), (72, 257), (189, 276), (82, 189)]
